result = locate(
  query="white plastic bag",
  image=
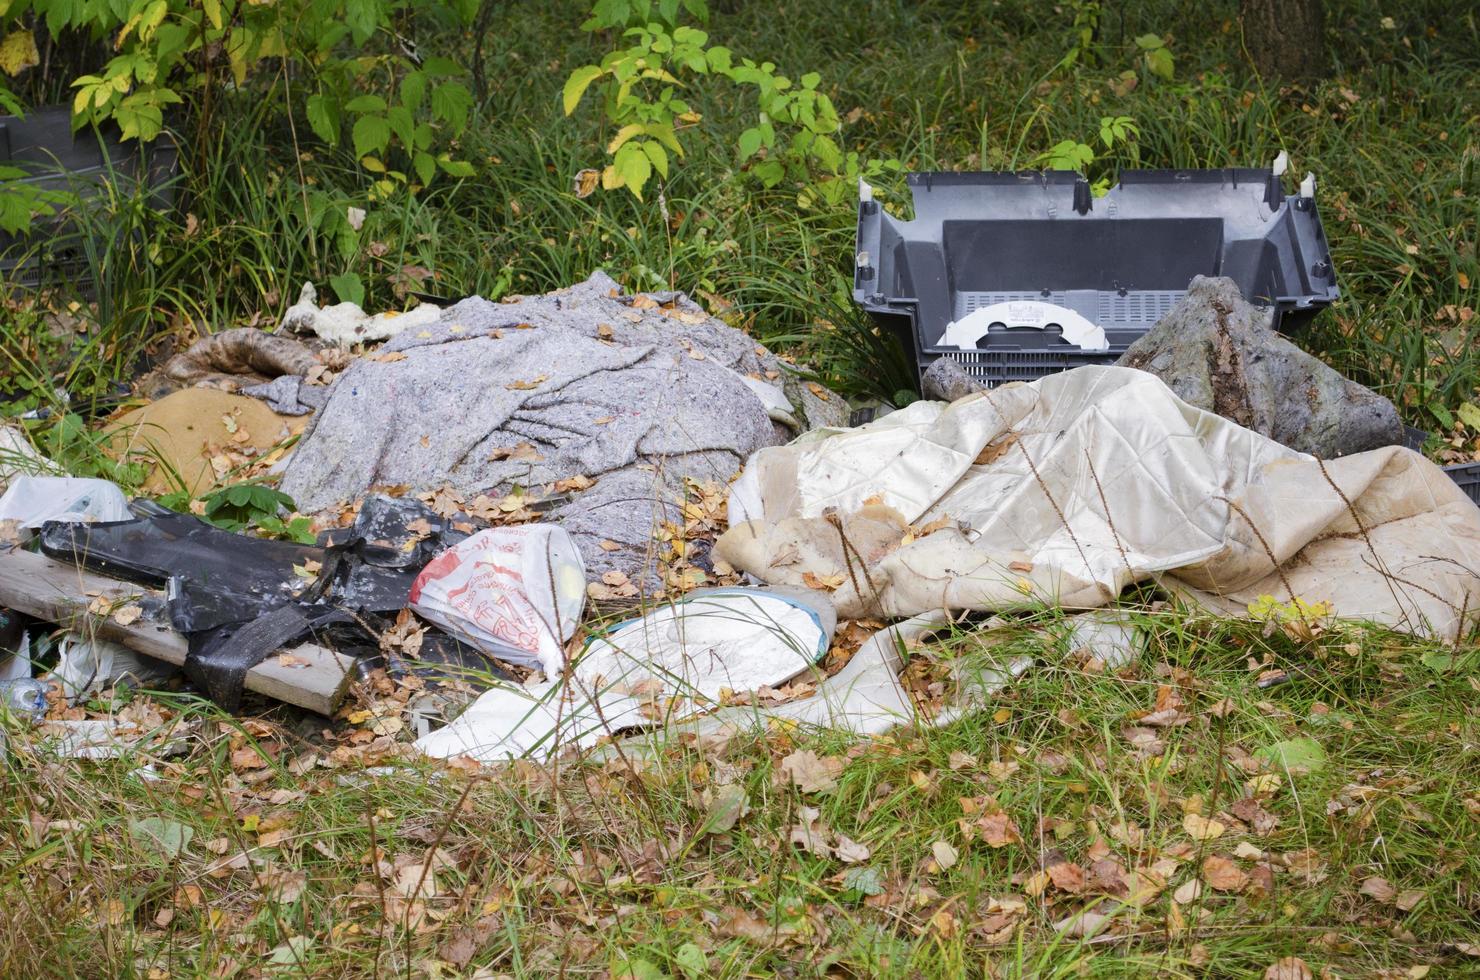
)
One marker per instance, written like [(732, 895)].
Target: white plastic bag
[(515, 593), (34, 500)]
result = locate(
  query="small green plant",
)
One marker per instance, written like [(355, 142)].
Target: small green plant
[(348, 63), (1156, 56), (793, 135), (1117, 133), (248, 505)]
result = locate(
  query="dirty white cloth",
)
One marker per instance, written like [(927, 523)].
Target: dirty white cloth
[(1068, 489)]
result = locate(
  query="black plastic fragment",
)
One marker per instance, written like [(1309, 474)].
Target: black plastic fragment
[(239, 598)]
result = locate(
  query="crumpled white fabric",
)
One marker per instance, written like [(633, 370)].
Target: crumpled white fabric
[(1070, 488)]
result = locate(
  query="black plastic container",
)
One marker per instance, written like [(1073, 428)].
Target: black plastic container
[(1120, 261), (54, 158)]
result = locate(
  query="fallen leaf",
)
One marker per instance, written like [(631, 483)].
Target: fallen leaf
[(823, 583), (1223, 875), (945, 855), (128, 615), (1188, 892), (850, 851), (1066, 876), (1408, 898), (527, 385), (585, 185), (812, 773), (1289, 968), (1297, 756), (1199, 827), (1379, 890), (963, 760), (724, 806), (1247, 851), (168, 838), (998, 829), (606, 545)]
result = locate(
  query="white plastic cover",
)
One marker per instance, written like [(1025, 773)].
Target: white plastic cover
[(676, 660), (971, 328), (34, 500)]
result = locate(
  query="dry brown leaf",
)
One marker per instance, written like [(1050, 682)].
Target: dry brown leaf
[(128, 615), (527, 385), (1199, 827), (849, 851), (1408, 898), (1248, 852), (1288, 968), (1066, 877), (823, 583), (945, 855), (1379, 890), (1223, 875), (812, 773), (998, 829), (584, 185), (389, 357)]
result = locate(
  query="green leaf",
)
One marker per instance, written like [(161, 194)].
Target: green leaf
[(451, 102), (455, 168), (576, 85), (1437, 662), (425, 166), (348, 288), (372, 134), (1159, 62), (691, 960), (323, 118), (169, 838), (365, 103), (750, 143), (362, 16), (633, 168), (1297, 756), (1469, 414), (865, 881), (811, 80), (657, 155), (413, 90), (1149, 42)]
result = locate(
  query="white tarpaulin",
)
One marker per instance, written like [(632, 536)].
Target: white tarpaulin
[(1066, 490)]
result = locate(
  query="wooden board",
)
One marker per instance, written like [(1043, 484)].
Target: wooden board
[(315, 678)]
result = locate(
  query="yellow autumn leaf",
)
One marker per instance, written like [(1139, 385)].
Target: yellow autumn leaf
[(18, 52)]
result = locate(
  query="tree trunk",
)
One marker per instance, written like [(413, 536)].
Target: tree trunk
[(1285, 38)]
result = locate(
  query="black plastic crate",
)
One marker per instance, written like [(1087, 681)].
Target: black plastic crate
[(54, 158), (1467, 477), (1119, 262)]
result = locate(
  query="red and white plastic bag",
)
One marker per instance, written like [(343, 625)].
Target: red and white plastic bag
[(516, 593)]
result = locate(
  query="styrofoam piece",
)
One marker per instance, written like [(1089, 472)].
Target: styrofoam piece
[(966, 332)]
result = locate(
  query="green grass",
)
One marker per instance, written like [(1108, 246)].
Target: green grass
[(592, 863)]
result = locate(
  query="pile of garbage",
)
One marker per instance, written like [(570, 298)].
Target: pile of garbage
[(591, 514)]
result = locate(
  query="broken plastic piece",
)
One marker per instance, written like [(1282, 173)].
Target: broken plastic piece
[(968, 332)]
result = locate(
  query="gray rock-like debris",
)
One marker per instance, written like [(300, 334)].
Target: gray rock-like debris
[(1217, 351), (946, 380), (639, 393)]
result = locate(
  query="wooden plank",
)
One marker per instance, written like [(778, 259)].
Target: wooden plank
[(60, 593)]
